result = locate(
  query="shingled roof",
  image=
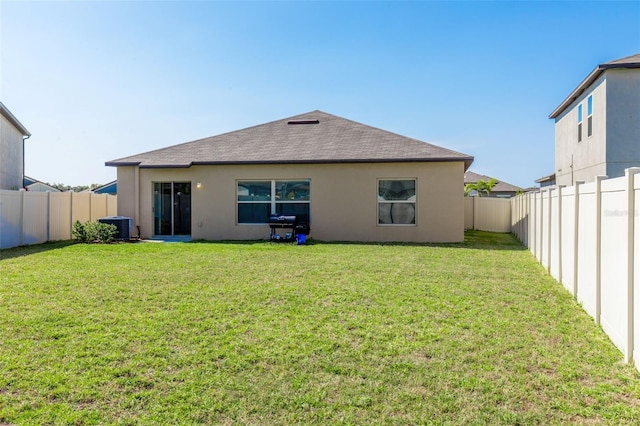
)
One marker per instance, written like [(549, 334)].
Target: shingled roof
[(472, 177), (314, 137), (632, 61)]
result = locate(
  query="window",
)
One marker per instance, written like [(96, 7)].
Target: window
[(397, 202), (589, 115), (580, 123), (259, 199)]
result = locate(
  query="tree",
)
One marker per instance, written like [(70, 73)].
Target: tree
[(77, 188), (481, 186)]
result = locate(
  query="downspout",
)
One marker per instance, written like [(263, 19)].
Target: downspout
[(23, 158)]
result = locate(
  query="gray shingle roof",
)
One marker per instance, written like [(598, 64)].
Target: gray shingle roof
[(632, 61), (472, 177), (331, 139)]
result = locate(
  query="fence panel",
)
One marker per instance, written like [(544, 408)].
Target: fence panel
[(568, 233), (112, 205), (37, 217), (487, 214), (613, 272), (587, 227), (468, 213), (10, 218), (35, 224), (545, 226), (554, 234), (59, 216), (81, 207), (636, 274)]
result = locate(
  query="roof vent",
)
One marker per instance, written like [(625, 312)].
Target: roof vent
[(303, 122)]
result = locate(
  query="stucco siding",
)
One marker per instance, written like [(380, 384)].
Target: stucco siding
[(343, 199), (127, 191), (623, 120), (11, 155), (586, 159)]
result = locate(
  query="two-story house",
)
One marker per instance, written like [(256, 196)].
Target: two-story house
[(12, 137), (597, 127)]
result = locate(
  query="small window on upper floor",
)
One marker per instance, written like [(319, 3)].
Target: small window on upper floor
[(580, 123), (589, 115)]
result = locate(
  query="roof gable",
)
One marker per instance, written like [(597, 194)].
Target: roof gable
[(314, 137), (632, 61)]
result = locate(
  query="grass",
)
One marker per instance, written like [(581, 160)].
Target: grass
[(260, 333)]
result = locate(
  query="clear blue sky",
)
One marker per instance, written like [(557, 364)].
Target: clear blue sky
[(95, 81)]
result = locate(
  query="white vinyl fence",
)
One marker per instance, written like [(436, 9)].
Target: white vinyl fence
[(38, 217), (487, 214), (586, 236)]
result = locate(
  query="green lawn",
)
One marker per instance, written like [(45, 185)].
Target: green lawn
[(260, 333)]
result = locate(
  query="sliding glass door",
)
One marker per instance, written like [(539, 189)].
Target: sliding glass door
[(172, 208)]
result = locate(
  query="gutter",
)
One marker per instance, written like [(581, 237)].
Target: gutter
[(588, 81)]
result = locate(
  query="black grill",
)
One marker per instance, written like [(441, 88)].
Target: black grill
[(297, 225)]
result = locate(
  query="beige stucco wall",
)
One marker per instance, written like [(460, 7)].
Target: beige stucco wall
[(11, 156), (343, 199), (586, 159)]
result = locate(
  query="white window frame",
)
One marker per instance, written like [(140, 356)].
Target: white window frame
[(414, 202), (272, 201), (589, 116), (580, 114)]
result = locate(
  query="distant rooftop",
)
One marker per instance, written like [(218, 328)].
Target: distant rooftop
[(472, 177)]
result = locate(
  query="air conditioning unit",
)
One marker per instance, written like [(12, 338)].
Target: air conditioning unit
[(123, 224)]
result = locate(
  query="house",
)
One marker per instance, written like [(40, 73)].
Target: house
[(352, 182), (548, 180), (34, 185), (500, 190), (12, 137), (597, 127), (107, 188)]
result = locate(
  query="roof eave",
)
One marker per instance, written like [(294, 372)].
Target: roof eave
[(593, 76), (588, 81), (467, 161), (13, 120)]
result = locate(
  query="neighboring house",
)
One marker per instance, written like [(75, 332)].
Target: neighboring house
[(548, 180), (597, 126), (500, 190), (34, 185), (352, 182), (107, 188), (12, 137)]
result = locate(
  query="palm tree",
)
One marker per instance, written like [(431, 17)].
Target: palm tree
[(480, 186)]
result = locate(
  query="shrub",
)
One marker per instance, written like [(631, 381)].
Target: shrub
[(93, 232)]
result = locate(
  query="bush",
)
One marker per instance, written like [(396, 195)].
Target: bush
[(93, 232)]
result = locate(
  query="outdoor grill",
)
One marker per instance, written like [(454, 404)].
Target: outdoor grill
[(296, 225)]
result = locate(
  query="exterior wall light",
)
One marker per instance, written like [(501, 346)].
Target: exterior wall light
[(199, 185)]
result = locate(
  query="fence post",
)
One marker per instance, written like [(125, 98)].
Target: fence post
[(598, 182), (473, 203), (576, 229), (631, 200), (71, 214), (22, 192), (48, 215), (550, 218)]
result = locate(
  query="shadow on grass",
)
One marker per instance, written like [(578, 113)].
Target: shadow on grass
[(20, 251), (480, 240)]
